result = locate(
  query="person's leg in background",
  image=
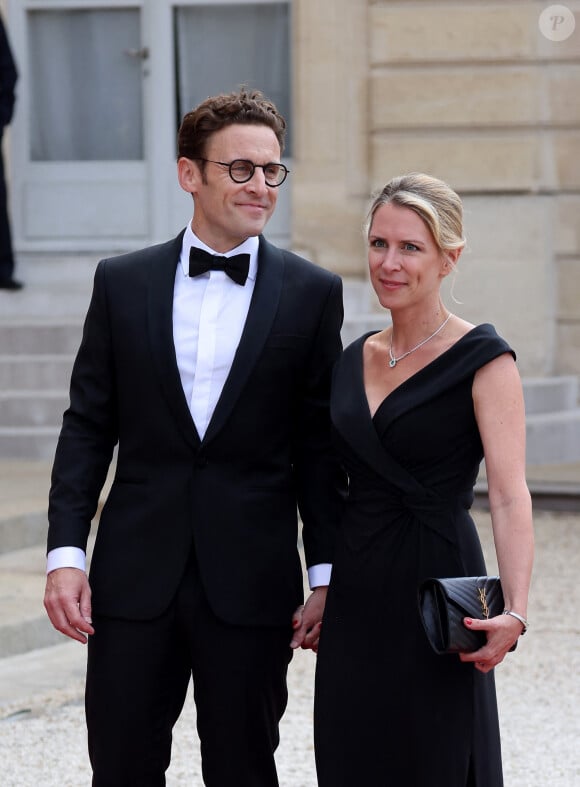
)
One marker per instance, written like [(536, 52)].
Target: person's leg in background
[(7, 281)]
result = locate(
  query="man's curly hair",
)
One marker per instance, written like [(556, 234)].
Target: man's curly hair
[(248, 107)]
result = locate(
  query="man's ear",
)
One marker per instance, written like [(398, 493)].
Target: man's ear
[(188, 174)]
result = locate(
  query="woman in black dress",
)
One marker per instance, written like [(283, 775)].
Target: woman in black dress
[(415, 408)]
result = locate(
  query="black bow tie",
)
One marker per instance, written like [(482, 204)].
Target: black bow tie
[(236, 267)]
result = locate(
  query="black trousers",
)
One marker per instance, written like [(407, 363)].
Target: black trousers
[(6, 253), (137, 678)]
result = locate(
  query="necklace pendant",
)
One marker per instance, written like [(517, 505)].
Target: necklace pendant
[(392, 363)]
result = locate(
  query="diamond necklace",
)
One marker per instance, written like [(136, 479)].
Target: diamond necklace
[(394, 361)]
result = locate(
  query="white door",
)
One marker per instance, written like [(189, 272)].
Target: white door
[(102, 88), (79, 175)]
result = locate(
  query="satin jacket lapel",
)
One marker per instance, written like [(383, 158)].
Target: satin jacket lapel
[(348, 404), (162, 268), (261, 315)]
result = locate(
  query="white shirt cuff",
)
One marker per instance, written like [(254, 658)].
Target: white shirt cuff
[(66, 557), (319, 575)]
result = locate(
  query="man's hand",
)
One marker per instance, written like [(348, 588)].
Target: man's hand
[(67, 599), (307, 620)]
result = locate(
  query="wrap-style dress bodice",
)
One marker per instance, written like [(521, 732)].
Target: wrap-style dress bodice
[(389, 711)]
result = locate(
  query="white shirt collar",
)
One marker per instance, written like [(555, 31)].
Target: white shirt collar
[(249, 246)]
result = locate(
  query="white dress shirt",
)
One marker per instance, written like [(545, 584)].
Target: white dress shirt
[(209, 314)]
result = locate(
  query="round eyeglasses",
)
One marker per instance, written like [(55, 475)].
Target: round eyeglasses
[(242, 170)]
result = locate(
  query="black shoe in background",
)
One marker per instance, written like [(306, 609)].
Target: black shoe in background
[(10, 284)]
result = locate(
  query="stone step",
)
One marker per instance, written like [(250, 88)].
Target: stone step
[(23, 530), (551, 394), (39, 675), (40, 337), (553, 437), (28, 442), (30, 408), (66, 302), (35, 372), (25, 625), (56, 286), (49, 269), (24, 490)]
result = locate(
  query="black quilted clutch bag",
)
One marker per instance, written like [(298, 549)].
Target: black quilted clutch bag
[(443, 603)]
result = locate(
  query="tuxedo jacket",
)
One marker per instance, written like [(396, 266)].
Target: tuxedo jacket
[(233, 496)]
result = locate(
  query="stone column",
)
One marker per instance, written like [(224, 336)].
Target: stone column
[(330, 186)]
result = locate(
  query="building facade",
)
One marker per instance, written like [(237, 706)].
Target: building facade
[(481, 94), (474, 93)]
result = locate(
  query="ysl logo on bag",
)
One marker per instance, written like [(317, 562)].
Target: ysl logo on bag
[(483, 601)]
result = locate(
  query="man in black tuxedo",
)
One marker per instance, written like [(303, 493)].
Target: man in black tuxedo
[(207, 359), (8, 78)]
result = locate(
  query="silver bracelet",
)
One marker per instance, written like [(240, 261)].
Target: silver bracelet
[(515, 615)]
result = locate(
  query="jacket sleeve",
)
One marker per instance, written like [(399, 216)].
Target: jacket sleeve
[(320, 480), (89, 430)]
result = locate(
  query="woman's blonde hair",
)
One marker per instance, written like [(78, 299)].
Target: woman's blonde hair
[(432, 200)]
